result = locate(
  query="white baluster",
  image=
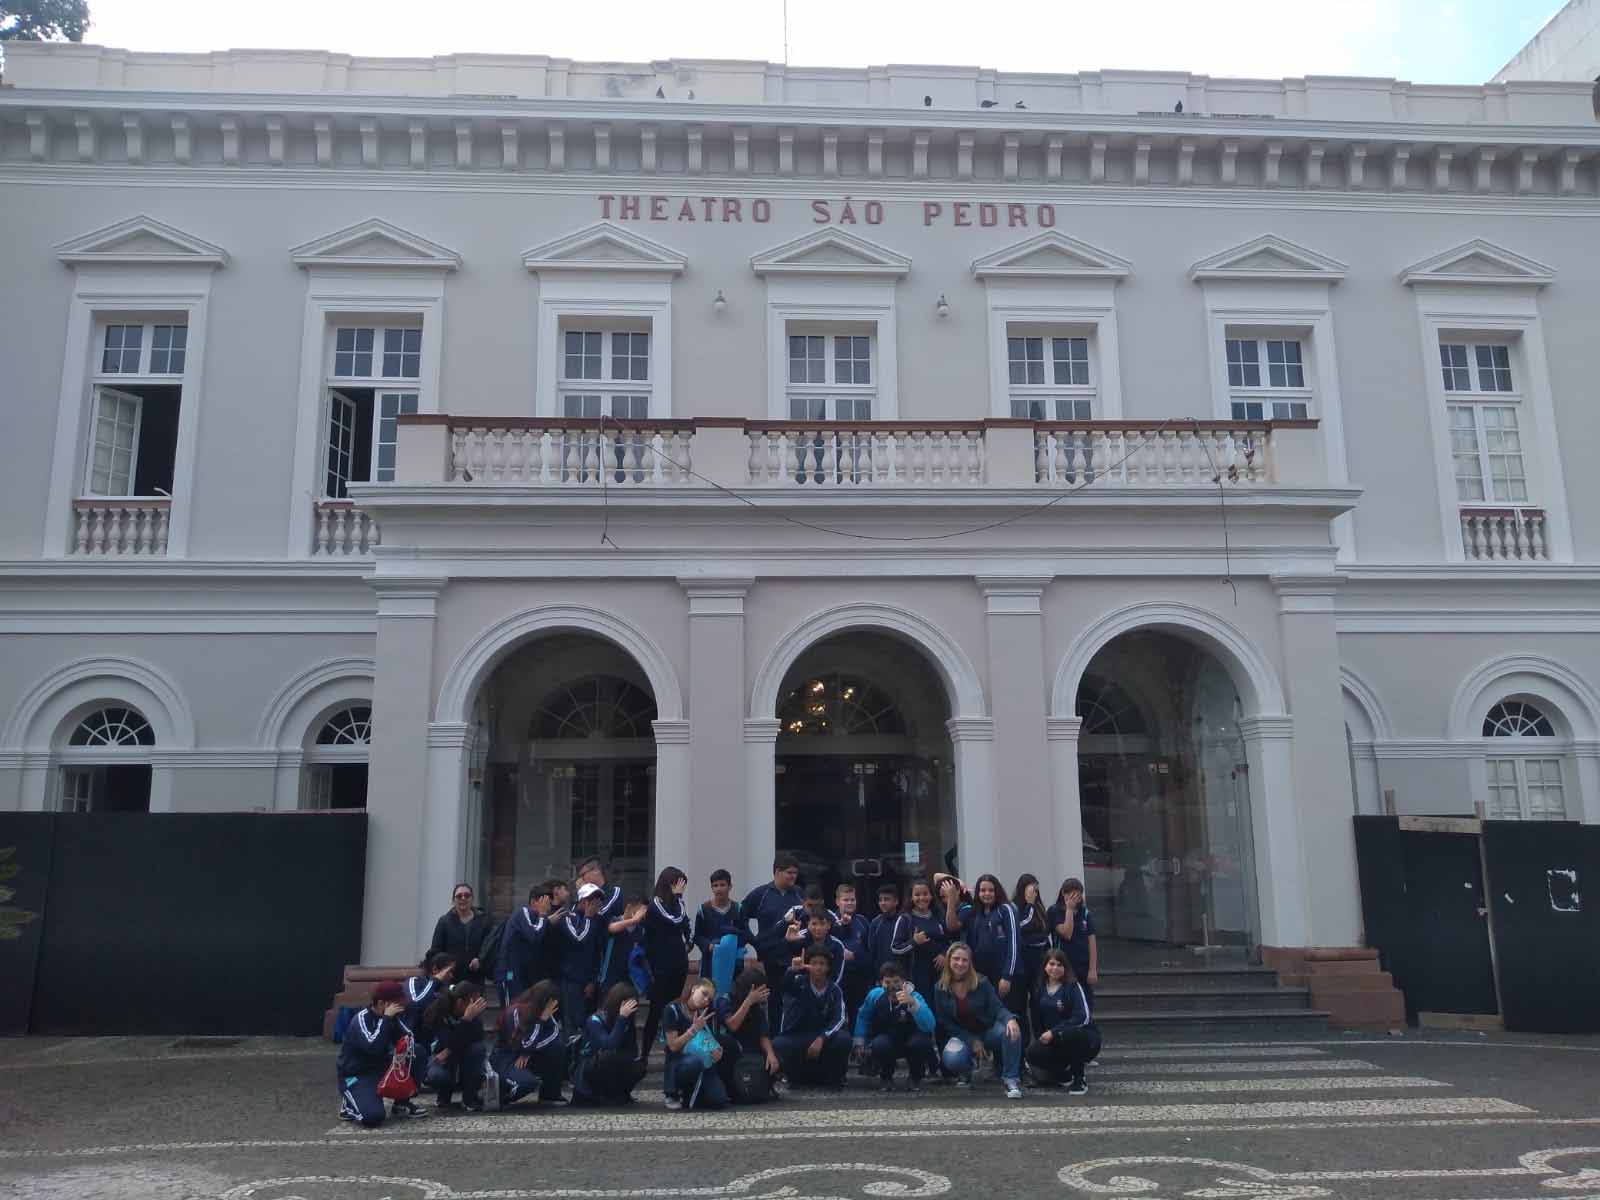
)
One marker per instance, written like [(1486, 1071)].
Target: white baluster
[(143, 546), (1497, 545), (162, 519), (81, 534), (458, 452), (1519, 534), (1536, 546)]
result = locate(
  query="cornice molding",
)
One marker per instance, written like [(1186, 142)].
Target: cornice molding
[(604, 246), (141, 241), (831, 252), (1269, 258), (1051, 255), (1479, 263), (375, 243)]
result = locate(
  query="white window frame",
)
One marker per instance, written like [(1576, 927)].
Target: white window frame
[(606, 386), (111, 294), (344, 296), (1067, 307), (1265, 393), (830, 391), (379, 384), (1475, 400), (829, 305), (1049, 393), (1518, 761), (1508, 314), (599, 301)]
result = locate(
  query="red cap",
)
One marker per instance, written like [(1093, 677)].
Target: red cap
[(388, 992)]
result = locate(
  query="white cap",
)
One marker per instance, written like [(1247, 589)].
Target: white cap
[(587, 890)]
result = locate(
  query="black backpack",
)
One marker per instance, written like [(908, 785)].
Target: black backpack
[(489, 951)]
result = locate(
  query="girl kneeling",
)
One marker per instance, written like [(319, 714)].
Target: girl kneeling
[(1068, 1038), (529, 1056), (459, 1054), (750, 1066), (693, 1052), (608, 1067)]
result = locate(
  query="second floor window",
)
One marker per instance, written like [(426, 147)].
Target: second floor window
[(137, 391), (605, 372), (372, 380), (1048, 377), (831, 375), (1267, 379), (1485, 423)]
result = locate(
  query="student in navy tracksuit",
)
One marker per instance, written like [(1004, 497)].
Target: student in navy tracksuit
[(438, 972), (989, 927), (522, 945), (690, 1080), (920, 939), (530, 1052), (456, 1055), (777, 909), (819, 933), (852, 930), (750, 1065), (1072, 928), (582, 937), (608, 1067), (1067, 1038), (719, 917), (973, 1024), (880, 931), (666, 948), (607, 913), (813, 1043), (1033, 939), (366, 1052), (894, 1023)]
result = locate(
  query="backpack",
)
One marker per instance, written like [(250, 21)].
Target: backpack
[(639, 972), (488, 955)]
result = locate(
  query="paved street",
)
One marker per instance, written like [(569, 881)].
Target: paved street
[(1442, 1117)]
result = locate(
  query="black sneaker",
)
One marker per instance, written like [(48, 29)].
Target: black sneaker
[(885, 1085), (409, 1108), (1078, 1087)]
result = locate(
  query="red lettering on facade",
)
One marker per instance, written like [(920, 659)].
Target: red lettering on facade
[(931, 211), (1017, 214), (686, 211), (730, 211), (658, 208), (874, 213), (760, 211), (628, 210), (988, 214), (848, 216), (1047, 216), (605, 208), (963, 212), (819, 212)]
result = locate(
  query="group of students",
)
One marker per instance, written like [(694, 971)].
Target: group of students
[(790, 991)]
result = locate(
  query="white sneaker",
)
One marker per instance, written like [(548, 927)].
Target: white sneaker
[(1013, 1090), (674, 1103)]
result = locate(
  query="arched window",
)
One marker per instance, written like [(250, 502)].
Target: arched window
[(335, 771), (1525, 783), (101, 768), (348, 727), (839, 705), (113, 727), (1516, 718), (596, 706), (1105, 708)]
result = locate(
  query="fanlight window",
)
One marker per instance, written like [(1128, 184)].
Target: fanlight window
[(839, 704), (598, 706), (1105, 708), (113, 727), (1516, 718), (348, 727)]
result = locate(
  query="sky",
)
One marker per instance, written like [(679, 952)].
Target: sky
[(1423, 41)]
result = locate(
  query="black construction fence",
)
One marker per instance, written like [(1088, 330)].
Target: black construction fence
[(177, 923), (1488, 918)]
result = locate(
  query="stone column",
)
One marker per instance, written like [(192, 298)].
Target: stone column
[(397, 907), (444, 849), (672, 826), (1274, 828), (1322, 784), (761, 801), (972, 739), (1017, 702), (719, 811), (1066, 807)]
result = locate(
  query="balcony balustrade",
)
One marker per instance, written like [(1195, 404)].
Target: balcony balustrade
[(1504, 535), (120, 528), (341, 530), (845, 455)]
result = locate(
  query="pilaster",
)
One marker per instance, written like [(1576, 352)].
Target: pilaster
[(1066, 805), (1014, 623), (760, 798), (972, 741), (720, 813)]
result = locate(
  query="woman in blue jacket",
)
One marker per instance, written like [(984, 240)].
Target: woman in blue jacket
[(1033, 939), (989, 927), (366, 1052), (529, 1055), (666, 949), (972, 1024), (1067, 1039), (608, 1057), (457, 1054)]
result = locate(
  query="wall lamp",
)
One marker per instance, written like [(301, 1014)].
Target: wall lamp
[(942, 308), (720, 302)]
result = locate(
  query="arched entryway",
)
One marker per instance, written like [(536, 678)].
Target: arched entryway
[(564, 766), (864, 781), (1164, 789)]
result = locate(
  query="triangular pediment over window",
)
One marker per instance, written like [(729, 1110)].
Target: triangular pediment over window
[(604, 246), (141, 240), (1051, 255), (831, 252), (375, 243), (1267, 258), (1482, 263)]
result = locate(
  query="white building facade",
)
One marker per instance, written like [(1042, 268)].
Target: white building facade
[(900, 467)]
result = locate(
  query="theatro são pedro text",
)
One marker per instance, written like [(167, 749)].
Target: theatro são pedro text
[(736, 210)]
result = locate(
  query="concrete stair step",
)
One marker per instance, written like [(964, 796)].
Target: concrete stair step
[(1202, 1025), (1184, 979), (1118, 1001)]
